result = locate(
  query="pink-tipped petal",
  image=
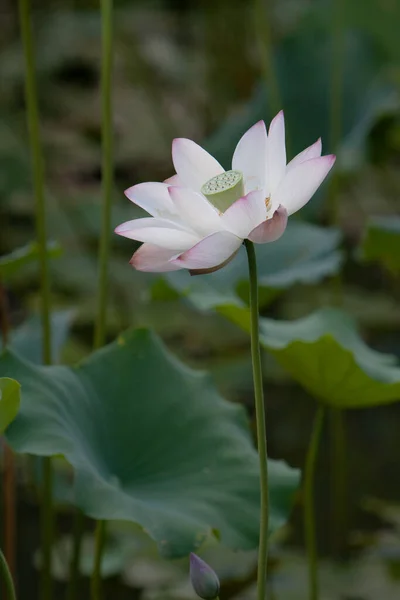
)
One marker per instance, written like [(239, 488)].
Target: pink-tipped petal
[(215, 268), (271, 229), (250, 157), (313, 151), (152, 197), (174, 180), (193, 164), (276, 150), (153, 259), (245, 214), (302, 181), (212, 251), (160, 232), (196, 211)]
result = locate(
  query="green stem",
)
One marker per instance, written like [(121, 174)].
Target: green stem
[(336, 117), (38, 173), (98, 554), (260, 419), (263, 34), (338, 479), (105, 240), (309, 525), (74, 571), (107, 168), (336, 100), (40, 210), (47, 527), (7, 578)]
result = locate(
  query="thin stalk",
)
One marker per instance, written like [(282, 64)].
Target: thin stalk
[(338, 478), (104, 251), (9, 476), (7, 578), (260, 420), (107, 168), (38, 172), (309, 524), (263, 34), (100, 536), (74, 572), (336, 418), (40, 210), (336, 105), (47, 526)]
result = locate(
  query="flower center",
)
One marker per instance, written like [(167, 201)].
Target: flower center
[(224, 189)]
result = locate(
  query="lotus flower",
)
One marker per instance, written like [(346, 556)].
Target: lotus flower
[(201, 215)]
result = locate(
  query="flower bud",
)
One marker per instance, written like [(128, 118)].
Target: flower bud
[(204, 580)]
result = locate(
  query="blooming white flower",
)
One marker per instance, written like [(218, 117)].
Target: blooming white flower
[(201, 215)]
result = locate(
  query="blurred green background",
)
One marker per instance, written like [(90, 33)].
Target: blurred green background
[(207, 70)]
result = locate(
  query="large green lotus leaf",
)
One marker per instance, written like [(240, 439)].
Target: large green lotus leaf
[(304, 254), (13, 262), (382, 242), (151, 441), (327, 356), (9, 401)]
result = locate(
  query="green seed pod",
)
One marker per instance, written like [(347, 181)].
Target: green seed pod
[(224, 189)]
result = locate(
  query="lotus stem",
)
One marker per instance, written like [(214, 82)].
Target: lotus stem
[(74, 572), (338, 479), (336, 104), (107, 168), (98, 554), (40, 210), (260, 420), (308, 503)]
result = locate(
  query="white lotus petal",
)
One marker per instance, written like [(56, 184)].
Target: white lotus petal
[(250, 157), (153, 259), (276, 151), (193, 164), (152, 197), (174, 180), (212, 251), (313, 151), (159, 232), (149, 222), (245, 214), (302, 181), (196, 211), (271, 229)]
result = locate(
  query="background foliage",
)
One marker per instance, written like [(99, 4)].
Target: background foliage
[(202, 70)]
